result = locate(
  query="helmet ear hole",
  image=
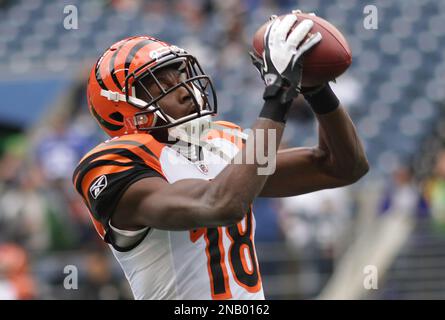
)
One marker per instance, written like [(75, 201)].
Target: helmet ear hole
[(117, 116)]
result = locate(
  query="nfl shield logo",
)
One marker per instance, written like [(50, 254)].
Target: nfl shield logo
[(203, 168)]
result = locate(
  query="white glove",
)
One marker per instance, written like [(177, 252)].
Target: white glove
[(281, 65)]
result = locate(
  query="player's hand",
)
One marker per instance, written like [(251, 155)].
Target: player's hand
[(259, 62), (282, 65)]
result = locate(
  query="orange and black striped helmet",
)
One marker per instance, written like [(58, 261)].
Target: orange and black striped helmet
[(112, 97)]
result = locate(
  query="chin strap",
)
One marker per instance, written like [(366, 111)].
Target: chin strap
[(118, 97)]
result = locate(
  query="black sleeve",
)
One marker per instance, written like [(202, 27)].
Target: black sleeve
[(106, 190), (103, 178)]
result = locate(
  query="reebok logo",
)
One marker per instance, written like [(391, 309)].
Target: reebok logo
[(98, 186)]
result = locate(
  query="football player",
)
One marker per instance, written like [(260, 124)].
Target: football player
[(179, 222)]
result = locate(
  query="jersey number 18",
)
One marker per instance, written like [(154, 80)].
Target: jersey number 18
[(242, 258)]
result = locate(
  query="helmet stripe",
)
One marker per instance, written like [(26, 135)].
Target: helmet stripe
[(112, 65), (133, 52), (98, 76), (108, 125)]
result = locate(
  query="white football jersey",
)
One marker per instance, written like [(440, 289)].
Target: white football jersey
[(207, 263)]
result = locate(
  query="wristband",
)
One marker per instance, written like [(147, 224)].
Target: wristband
[(323, 101), (274, 110)]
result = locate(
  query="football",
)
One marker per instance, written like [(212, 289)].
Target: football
[(326, 60)]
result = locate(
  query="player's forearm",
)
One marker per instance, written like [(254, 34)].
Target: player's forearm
[(338, 137), (240, 182), (224, 200), (344, 158), (192, 204)]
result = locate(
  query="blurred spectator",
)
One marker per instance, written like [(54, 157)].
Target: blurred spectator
[(402, 196), (60, 148), (315, 219), (126, 5), (268, 227), (22, 208), (13, 153), (15, 281), (269, 237), (314, 225), (23, 211), (192, 12), (97, 282), (435, 192)]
